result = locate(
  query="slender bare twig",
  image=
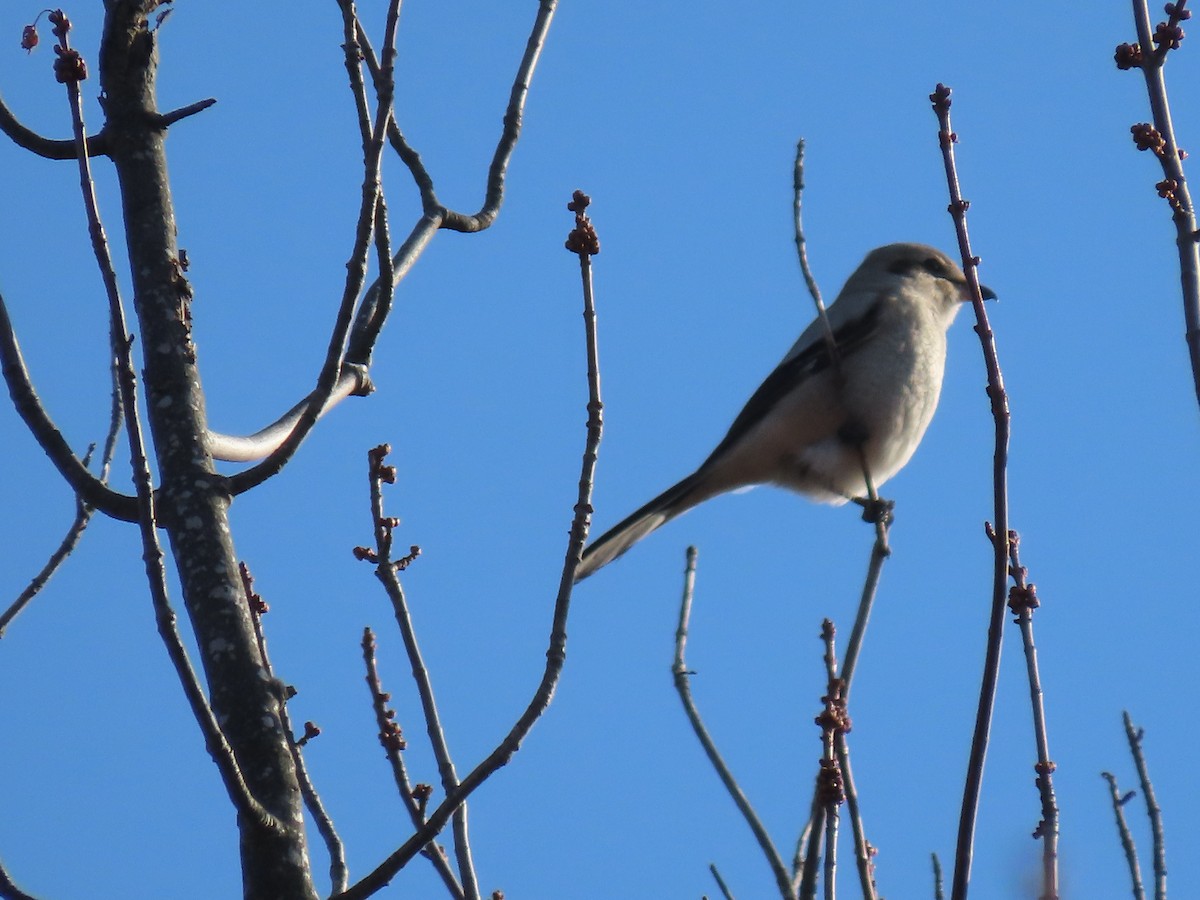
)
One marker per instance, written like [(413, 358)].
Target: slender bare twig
[(371, 315), (48, 148), (721, 885), (94, 492), (386, 569), (875, 510), (70, 69), (583, 242), (1023, 600), (938, 891), (338, 873), (392, 739), (355, 276), (1150, 55), (83, 515), (812, 855), (999, 403), (683, 687), (165, 120), (834, 721), (1131, 856), (1153, 810)]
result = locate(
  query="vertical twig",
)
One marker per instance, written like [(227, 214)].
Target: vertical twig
[(1023, 600), (386, 570), (1153, 810), (679, 669), (1127, 844), (1150, 55), (392, 739), (938, 892), (338, 872), (583, 242), (999, 403)]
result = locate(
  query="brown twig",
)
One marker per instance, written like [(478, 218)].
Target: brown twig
[(1153, 810), (999, 403), (683, 687), (47, 148), (1150, 55), (392, 739), (1023, 600), (1131, 856), (338, 873), (556, 652), (386, 569)]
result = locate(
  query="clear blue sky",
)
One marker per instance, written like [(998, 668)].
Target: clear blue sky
[(681, 123)]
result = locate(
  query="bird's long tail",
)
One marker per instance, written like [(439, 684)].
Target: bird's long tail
[(666, 506)]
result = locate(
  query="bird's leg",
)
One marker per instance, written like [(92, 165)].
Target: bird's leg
[(876, 509)]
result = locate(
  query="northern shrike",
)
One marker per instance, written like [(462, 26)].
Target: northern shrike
[(804, 426)]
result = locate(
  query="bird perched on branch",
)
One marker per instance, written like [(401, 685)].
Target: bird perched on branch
[(818, 418)]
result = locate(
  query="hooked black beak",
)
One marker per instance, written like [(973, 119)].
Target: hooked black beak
[(987, 292)]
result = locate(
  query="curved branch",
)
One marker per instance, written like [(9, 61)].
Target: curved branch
[(87, 486), (48, 148), (354, 381)]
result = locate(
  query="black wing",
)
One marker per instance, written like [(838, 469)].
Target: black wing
[(791, 372)]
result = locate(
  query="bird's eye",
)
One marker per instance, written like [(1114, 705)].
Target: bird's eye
[(935, 267)]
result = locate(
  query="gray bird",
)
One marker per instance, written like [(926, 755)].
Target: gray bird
[(802, 429)]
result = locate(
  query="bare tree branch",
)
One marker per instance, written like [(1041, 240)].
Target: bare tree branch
[(1127, 844), (83, 515), (45, 147), (683, 688), (1023, 600), (94, 492), (999, 402), (152, 555), (582, 241), (392, 739), (338, 873), (1150, 55), (1153, 810)]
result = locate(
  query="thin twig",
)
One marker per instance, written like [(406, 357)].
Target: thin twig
[(338, 873), (683, 687), (392, 739), (386, 569), (152, 554), (356, 272), (724, 888), (875, 510), (1153, 810), (47, 148), (83, 513), (812, 855), (165, 120), (1150, 55), (369, 321), (1023, 600), (938, 891), (556, 652), (1131, 855), (999, 403), (94, 492)]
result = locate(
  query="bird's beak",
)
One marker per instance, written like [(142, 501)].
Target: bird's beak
[(987, 292)]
